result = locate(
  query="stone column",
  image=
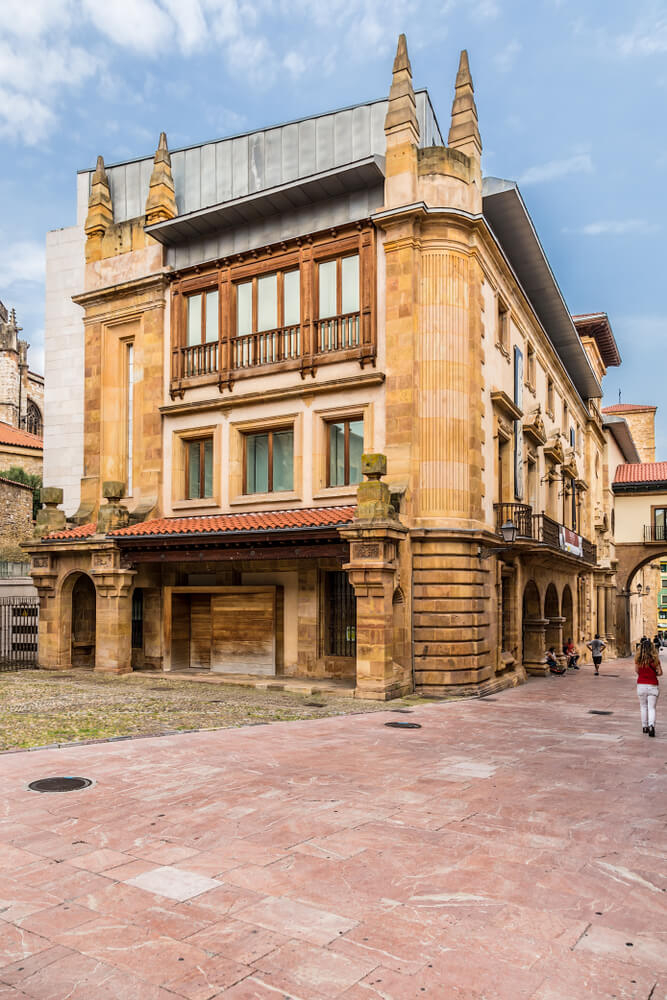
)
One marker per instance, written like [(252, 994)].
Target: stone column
[(600, 625), (609, 595), (373, 572), (535, 646), (554, 637), (44, 574), (113, 633)]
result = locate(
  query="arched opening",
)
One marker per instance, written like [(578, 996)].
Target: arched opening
[(83, 622), (567, 611), (34, 423), (554, 630), (532, 630)]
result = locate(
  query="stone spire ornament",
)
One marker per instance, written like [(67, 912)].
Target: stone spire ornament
[(402, 108), (464, 130), (100, 212), (161, 201)]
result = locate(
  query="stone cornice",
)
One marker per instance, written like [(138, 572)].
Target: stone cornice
[(503, 402), (137, 286)]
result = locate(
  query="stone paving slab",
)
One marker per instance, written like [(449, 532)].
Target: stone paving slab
[(511, 849)]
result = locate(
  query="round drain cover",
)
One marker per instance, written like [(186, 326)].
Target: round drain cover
[(403, 711), (59, 784), (403, 725), (598, 711)]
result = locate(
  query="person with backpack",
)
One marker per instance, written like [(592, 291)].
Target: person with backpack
[(596, 646), (648, 669)]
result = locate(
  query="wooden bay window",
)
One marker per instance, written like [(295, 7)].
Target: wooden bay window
[(338, 300), (268, 319)]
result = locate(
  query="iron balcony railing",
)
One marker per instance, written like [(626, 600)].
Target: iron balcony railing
[(655, 533), (519, 514), (540, 528)]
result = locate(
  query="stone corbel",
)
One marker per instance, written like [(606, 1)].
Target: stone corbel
[(506, 405), (553, 450), (113, 582), (533, 426)]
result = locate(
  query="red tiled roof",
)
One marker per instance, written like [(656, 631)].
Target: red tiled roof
[(275, 520), (641, 472), (23, 486), (627, 407), (18, 438), (82, 531)]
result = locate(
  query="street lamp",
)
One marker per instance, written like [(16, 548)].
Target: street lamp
[(509, 532)]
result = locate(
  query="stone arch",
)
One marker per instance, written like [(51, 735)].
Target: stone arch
[(78, 620), (554, 629), (567, 611), (532, 605)]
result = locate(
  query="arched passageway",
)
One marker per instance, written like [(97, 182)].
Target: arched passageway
[(83, 622), (532, 629), (567, 613)]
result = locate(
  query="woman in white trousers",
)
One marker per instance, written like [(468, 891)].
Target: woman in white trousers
[(648, 669)]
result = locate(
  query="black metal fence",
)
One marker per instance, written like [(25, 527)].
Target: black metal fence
[(19, 618)]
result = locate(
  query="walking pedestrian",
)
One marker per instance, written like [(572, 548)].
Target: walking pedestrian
[(596, 646), (648, 669)]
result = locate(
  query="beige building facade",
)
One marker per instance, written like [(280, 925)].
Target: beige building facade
[(268, 320)]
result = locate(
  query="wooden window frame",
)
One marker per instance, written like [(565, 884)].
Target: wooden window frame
[(280, 293), (346, 463), (338, 258), (187, 295), (269, 431), (201, 441)]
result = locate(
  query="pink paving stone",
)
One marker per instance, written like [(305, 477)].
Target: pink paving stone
[(57, 918), (15, 943), (296, 919), (100, 861), (24, 967), (209, 978), (509, 860), (298, 966), (241, 942)]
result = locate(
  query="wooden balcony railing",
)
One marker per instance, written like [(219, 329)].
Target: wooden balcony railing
[(266, 348), (519, 513), (545, 530), (655, 533), (337, 333), (202, 359)]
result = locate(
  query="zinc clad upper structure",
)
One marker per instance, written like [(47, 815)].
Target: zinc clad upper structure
[(228, 170)]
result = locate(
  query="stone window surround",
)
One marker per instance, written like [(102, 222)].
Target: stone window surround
[(180, 439), (237, 432), (321, 419)]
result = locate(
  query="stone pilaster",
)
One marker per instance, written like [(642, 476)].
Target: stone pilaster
[(113, 633), (535, 646)]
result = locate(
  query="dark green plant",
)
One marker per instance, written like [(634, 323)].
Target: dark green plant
[(18, 475)]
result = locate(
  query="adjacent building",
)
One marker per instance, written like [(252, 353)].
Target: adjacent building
[(238, 332)]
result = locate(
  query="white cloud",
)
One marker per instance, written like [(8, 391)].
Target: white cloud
[(645, 39), (486, 10), (23, 260), (136, 24), (616, 227), (579, 164), (506, 58)]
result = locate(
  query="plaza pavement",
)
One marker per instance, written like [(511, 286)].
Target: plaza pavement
[(511, 848)]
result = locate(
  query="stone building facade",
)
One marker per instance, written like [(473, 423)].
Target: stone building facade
[(15, 513), (21, 391), (264, 321)]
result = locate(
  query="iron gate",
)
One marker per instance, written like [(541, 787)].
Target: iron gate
[(19, 618)]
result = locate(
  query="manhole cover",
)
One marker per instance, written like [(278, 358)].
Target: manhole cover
[(598, 711), (59, 784), (403, 725), (314, 704), (402, 711)]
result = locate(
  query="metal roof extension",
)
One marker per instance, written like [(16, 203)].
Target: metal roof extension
[(271, 201), (507, 215), (621, 432)]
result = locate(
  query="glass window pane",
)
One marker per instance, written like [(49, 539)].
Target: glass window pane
[(350, 281), (211, 316), (267, 302), (194, 320), (283, 461), (356, 449), (208, 467), (292, 288), (327, 276), (193, 470), (336, 454), (257, 463), (244, 308)]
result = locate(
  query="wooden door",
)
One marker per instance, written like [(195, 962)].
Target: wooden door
[(200, 632), (243, 639)]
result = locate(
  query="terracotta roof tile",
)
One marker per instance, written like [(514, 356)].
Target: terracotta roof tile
[(23, 486), (82, 531), (275, 520), (627, 407), (641, 472), (18, 438)]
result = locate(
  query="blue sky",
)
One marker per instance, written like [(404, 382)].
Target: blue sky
[(572, 98)]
